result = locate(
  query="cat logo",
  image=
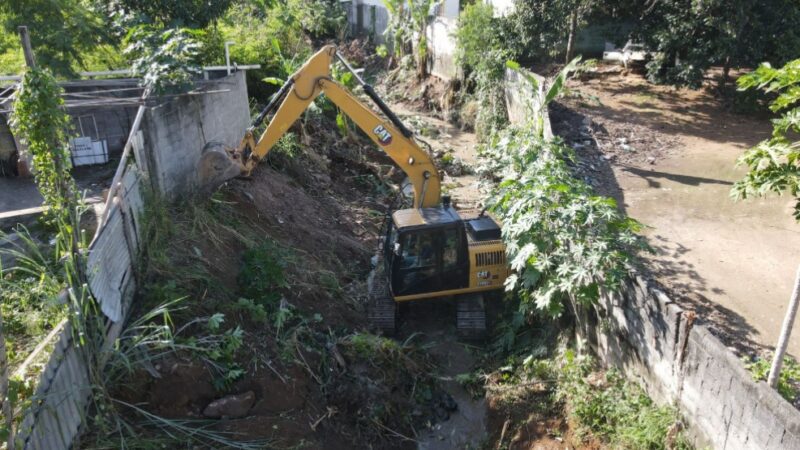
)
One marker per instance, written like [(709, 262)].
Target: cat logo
[(384, 137)]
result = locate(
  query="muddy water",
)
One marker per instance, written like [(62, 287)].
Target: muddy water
[(435, 320), (435, 324)]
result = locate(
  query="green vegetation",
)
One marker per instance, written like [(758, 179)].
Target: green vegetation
[(62, 38), (541, 377), (482, 55), (740, 33), (606, 406), (263, 275), (685, 39), (543, 30), (407, 20), (775, 163), (40, 121), (166, 60), (789, 380), (563, 241), (30, 289)]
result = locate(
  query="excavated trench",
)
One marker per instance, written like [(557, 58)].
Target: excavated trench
[(312, 376)]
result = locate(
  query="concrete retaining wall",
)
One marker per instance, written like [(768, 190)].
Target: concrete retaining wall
[(176, 131), (680, 362), (442, 47), (524, 100)]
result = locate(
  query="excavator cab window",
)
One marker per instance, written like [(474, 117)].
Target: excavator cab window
[(429, 260)]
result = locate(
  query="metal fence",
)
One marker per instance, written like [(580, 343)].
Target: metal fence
[(63, 391)]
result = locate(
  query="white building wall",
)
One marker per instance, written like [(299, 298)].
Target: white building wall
[(443, 22), (501, 7), (441, 41)]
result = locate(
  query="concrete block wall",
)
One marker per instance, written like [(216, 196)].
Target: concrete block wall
[(679, 362), (524, 100), (442, 47), (176, 131)]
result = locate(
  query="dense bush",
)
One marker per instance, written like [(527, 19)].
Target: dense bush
[(563, 241), (614, 410), (690, 37), (480, 53)]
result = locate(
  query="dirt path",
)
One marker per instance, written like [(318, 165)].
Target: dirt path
[(669, 158), (448, 139)]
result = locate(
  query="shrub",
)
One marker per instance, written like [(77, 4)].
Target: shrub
[(563, 241), (480, 53), (775, 163), (262, 275), (615, 410), (789, 380)]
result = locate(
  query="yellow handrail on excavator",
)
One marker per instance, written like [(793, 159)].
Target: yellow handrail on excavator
[(313, 79)]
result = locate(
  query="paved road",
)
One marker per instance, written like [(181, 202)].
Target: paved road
[(18, 193)]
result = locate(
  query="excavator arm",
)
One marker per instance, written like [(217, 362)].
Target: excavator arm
[(313, 79)]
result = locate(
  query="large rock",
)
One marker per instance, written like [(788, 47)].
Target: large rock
[(232, 406)]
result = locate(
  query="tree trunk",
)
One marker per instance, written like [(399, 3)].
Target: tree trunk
[(422, 56), (726, 70), (786, 332), (573, 26)]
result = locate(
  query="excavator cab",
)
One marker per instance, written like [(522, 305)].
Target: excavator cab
[(427, 252), (437, 252)]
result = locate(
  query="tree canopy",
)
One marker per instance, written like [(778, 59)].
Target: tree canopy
[(63, 32)]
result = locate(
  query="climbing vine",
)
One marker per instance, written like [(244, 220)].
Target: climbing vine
[(39, 118)]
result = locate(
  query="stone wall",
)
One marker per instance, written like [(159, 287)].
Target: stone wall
[(176, 131)]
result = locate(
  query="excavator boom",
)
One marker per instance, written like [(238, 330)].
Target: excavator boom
[(313, 79)]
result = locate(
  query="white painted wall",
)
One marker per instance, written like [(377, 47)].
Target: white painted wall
[(443, 46), (501, 7)]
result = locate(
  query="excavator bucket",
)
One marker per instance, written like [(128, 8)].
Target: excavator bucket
[(216, 166)]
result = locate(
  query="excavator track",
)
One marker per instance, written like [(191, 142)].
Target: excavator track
[(471, 317), (382, 309)]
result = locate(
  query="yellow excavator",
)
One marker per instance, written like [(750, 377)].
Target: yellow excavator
[(430, 250)]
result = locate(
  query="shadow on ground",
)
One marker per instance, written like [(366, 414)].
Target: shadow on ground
[(665, 268)]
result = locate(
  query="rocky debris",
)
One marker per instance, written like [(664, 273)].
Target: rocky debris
[(444, 405), (624, 142), (452, 165), (231, 406)]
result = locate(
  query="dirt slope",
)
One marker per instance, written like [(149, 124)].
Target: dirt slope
[(669, 157)]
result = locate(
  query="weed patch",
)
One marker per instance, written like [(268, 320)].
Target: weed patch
[(606, 406), (789, 380)]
